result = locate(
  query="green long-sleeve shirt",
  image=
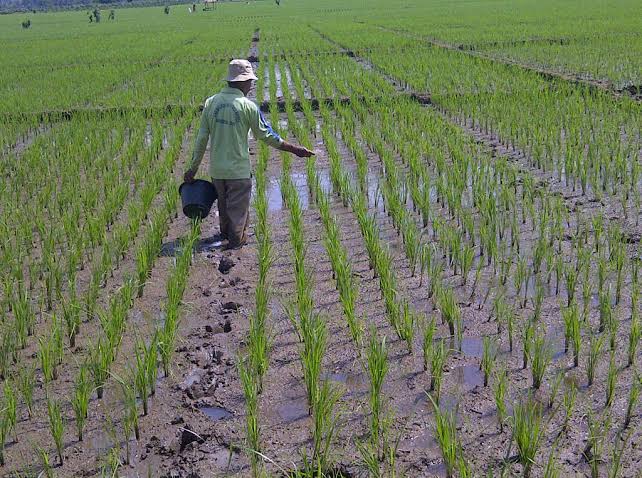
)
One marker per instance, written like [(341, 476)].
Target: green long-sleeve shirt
[(226, 121)]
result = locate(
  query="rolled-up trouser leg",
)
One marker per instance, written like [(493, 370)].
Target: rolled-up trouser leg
[(237, 209)]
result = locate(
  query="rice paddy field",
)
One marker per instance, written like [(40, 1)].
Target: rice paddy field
[(449, 288)]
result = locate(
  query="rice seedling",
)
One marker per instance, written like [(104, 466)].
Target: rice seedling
[(4, 432), (634, 339), (47, 467), (551, 470), (439, 357), (527, 343), (435, 287), (151, 363), (71, 317), (538, 300), (252, 425), (555, 386), (26, 382), (528, 431), (100, 361), (568, 401), (597, 432), (80, 400), (405, 327), (500, 389), (606, 312), (619, 446), (111, 464), (325, 424), (634, 395), (611, 381), (450, 312), (370, 458), (290, 309), (390, 445), (489, 355), (467, 256), (429, 336), (56, 425), (10, 408), (130, 413), (572, 331), (377, 360), (141, 374), (259, 348), (47, 360), (570, 274), (478, 272), (595, 350), (314, 345), (541, 355), (412, 244), (446, 435)]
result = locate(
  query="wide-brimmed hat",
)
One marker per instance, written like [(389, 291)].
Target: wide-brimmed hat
[(240, 70)]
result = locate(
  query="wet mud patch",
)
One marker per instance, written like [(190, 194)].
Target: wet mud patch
[(216, 414)]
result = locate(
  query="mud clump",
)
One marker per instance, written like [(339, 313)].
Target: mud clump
[(188, 437), (231, 306), (225, 265)]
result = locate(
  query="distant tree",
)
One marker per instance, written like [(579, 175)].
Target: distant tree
[(112, 15), (166, 9), (26, 24)]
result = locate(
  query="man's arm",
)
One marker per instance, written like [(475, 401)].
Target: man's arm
[(264, 132), (300, 151), (200, 145)]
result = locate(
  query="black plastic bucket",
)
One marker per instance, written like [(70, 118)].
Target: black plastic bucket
[(197, 198)]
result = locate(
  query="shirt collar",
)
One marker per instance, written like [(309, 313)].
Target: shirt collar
[(231, 91)]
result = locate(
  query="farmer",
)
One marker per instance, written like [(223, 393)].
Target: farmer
[(226, 121)]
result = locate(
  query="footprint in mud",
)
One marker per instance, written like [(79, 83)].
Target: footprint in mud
[(468, 377), (293, 410), (216, 413), (472, 346)]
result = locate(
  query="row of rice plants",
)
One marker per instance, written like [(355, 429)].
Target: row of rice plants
[(310, 325), (253, 366)]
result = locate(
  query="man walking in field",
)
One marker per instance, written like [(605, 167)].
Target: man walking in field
[(226, 121)]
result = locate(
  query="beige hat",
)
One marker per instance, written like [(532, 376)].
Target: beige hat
[(240, 70)]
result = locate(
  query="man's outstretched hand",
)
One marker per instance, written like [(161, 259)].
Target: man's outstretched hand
[(188, 177), (300, 151)]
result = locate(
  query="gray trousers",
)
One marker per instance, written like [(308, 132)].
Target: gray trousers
[(233, 208)]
